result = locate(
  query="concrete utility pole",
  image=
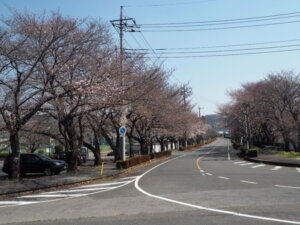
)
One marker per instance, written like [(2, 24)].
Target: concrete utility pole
[(199, 108), (185, 91), (122, 25)]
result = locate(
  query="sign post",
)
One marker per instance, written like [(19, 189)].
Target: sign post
[(122, 132)]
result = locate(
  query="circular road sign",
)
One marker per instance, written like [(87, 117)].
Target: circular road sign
[(122, 130)]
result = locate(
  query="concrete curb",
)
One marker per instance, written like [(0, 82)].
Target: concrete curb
[(288, 164)]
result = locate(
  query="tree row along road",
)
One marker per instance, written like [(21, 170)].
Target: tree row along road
[(201, 187)]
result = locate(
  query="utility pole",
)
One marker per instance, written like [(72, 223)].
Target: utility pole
[(185, 91), (123, 24), (199, 108)]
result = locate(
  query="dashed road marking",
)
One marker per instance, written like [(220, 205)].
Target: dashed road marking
[(248, 182), (224, 178), (246, 164), (209, 174), (239, 162), (277, 168), (290, 187), (257, 166)]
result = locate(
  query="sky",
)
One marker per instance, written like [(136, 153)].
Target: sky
[(210, 78)]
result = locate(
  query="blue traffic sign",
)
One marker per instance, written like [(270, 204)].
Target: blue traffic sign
[(122, 130)]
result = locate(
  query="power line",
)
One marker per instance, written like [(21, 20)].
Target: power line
[(230, 50), (219, 46), (171, 4), (232, 54), (224, 28), (216, 24), (225, 20)]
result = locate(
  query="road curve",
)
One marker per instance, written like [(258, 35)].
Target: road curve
[(208, 186)]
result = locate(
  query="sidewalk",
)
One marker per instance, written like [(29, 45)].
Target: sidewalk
[(275, 160), (86, 172)]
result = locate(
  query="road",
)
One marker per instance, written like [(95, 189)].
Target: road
[(207, 186)]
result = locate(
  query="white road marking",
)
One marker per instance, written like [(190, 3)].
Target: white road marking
[(79, 190), (16, 202), (225, 178), (228, 155), (52, 196), (127, 178), (104, 184), (277, 168), (298, 169), (59, 197), (136, 184), (209, 174), (260, 165), (239, 162), (290, 187), (248, 182), (202, 171), (246, 164)]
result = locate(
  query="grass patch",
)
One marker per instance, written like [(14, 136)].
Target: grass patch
[(288, 154)]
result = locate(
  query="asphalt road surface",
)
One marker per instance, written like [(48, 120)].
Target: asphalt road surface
[(207, 186)]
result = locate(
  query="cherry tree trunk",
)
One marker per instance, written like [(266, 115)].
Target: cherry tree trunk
[(144, 147), (72, 154), (14, 158), (131, 153), (97, 152)]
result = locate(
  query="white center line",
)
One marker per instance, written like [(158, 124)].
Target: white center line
[(283, 186), (248, 182), (260, 165), (225, 178), (277, 168), (209, 174)]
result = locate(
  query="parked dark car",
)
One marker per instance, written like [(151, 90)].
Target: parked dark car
[(64, 156), (36, 163)]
